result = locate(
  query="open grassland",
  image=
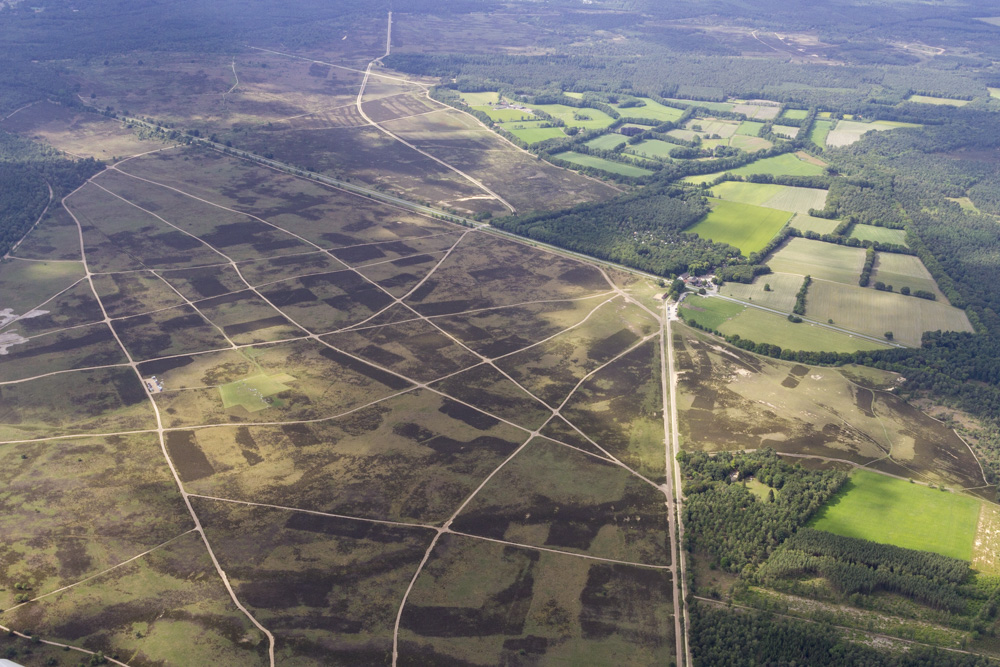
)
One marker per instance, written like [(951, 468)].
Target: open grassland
[(847, 132), (711, 106), (708, 312), (742, 226), (505, 115), (730, 400), (893, 511), (807, 223), (873, 312), (651, 110), (759, 325), (750, 128), (607, 142), (879, 234), (820, 131), (994, 92), (823, 261), (602, 164), (707, 126), (653, 148), (786, 164), (796, 114), (904, 271), (938, 101), (584, 117), (765, 327), (532, 135), (781, 197)]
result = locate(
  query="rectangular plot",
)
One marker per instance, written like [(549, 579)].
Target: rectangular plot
[(904, 271), (780, 296), (824, 261), (782, 197), (85, 347), (879, 234), (761, 326), (807, 223), (873, 312), (167, 332), (742, 226)]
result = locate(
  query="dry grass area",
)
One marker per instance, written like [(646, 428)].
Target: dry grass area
[(986, 547)]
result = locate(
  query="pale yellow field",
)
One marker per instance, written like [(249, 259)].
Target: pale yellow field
[(873, 312), (899, 270), (784, 287), (823, 261)]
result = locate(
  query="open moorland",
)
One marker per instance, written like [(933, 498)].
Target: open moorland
[(306, 425)]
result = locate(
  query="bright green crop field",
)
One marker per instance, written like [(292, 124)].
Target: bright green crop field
[(742, 226), (602, 164), (892, 511)]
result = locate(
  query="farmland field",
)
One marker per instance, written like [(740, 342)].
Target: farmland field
[(742, 226), (879, 234), (940, 101), (759, 325), (847, 132), (652, 110), (786, 164), (652, 148), (807, 223), (892, 511), (607, 142), (823, 261), (532, 135), (584, 117), (750, 128), (797, 114), (781, 197), (904, 271), (820, 131), (873, 312), (604, 165), (787, 131)]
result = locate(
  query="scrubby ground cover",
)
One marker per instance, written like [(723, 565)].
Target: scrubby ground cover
[(338, 388)]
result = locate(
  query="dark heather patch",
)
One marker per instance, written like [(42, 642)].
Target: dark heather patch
[(175, 324), (300, 435), (191, 462), (790, 382), (450, 307), (412, 431), (380, 356), (584, 276), (163, 365), (530, 644), (410, 261), (207, 286), (506, 345), (371, 372), (412, 654), (178, 241), (255, 325), (358, 530), (361, 253), (424, 290), (129, 388), (268, 245), (468, 415), (864, 400), (344, 279), (799, 370), (616, 343), (100, 335)]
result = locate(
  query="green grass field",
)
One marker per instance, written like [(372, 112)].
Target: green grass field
[(708, 312), (786, 164), (596, 120), (939, 101), (761, 326), (607, 142), (532, 135), (750, 128), (652, 148), (253, 392), (872, 312), (479, 99), (782, 197), (823, 261), (602, 164), (892, 511), (653, 110), (820, 131), (795, 114), (880, 234), (743, 226), (504, 115), (807, 223)]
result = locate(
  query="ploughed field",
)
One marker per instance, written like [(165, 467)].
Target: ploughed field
[(395, 433)]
